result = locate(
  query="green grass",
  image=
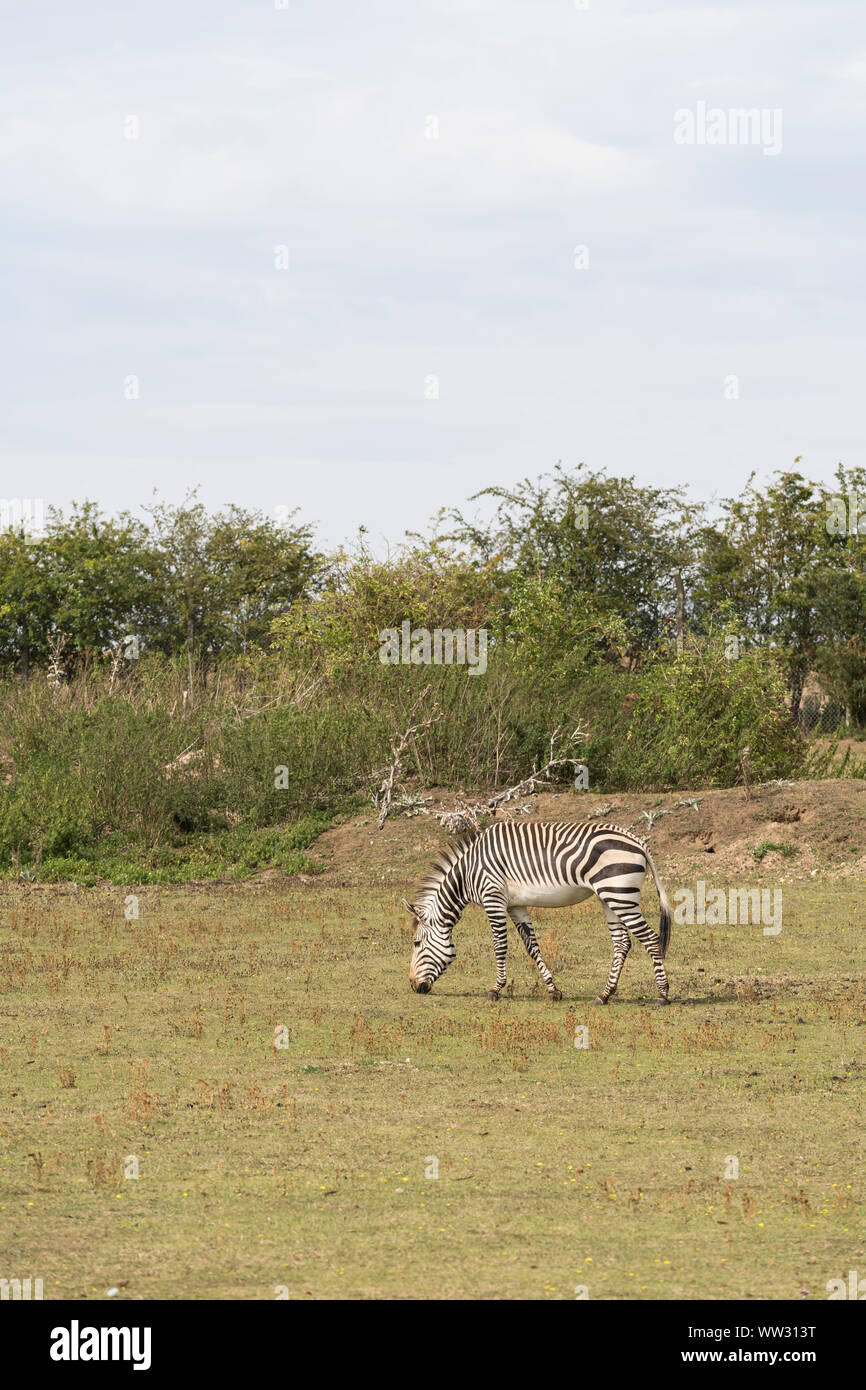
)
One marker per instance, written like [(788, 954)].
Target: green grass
[(230, 854), (304, 1167), (783, 847)]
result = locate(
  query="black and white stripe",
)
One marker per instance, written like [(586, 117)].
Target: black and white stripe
[(515, 865)]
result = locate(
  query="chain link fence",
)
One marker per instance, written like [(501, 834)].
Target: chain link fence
[(820, 715)]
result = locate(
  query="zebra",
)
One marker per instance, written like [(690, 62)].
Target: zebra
[(512, 866)]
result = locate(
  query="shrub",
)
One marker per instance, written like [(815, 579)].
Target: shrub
[(696, 714)]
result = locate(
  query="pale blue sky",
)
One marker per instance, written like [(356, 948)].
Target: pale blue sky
[(410, 257)]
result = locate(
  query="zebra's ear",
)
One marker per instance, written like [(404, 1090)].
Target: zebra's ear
[(409, 907)]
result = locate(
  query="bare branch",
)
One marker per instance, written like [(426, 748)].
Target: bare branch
[(385, 794), (467, 816)]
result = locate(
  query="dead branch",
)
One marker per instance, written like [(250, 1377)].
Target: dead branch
[(652, 816), (466, 816), (746, 765), (57, 652), (385, 794)]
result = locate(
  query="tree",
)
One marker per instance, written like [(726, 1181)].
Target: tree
[(608, 539), (771, 565), (88, 578), (359, 597), (223, 578), (839, 586), (100, 574), (26, 601)]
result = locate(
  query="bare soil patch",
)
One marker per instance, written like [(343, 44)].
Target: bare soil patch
[(776, 832)]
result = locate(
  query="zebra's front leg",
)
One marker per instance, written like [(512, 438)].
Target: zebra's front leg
[(621, 947), (499, 927), (520, 918)]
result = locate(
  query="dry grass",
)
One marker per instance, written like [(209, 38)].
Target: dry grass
[(257, 1051)]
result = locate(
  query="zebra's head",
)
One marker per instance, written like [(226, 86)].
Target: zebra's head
[(432, 948)]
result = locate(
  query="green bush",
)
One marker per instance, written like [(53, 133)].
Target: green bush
[(159, 774), (696, 714)]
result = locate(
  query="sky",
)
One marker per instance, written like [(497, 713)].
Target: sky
[(365, 260)]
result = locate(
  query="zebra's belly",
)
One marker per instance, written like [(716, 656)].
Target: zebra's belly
[(545, 894)]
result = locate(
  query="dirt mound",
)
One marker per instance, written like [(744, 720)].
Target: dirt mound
[(777, 833)]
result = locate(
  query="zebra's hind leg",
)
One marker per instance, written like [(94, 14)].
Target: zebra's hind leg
[(520, 918), (621, 947), (630, 916)]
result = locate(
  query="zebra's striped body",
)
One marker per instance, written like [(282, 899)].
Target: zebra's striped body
[(515, 865)]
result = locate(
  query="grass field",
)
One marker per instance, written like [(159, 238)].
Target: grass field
[(303, 1169)]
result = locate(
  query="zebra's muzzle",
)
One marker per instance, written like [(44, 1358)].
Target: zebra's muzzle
[(421, 986)]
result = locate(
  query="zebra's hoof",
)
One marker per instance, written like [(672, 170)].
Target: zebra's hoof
[(493, 996), (555, 995), (600, 999), (664, 1001)]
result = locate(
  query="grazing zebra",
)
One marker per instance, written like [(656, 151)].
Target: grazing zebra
[(513, 866)]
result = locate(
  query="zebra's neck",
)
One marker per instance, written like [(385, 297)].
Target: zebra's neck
[(450, 897)]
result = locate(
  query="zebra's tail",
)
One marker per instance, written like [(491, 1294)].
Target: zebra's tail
[(664, 906)]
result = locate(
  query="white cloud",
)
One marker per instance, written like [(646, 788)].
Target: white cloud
[(853, 71), (410, 256), (321, 143), (704, 23)]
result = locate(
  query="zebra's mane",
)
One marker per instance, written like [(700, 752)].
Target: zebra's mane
[(447, 857)]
